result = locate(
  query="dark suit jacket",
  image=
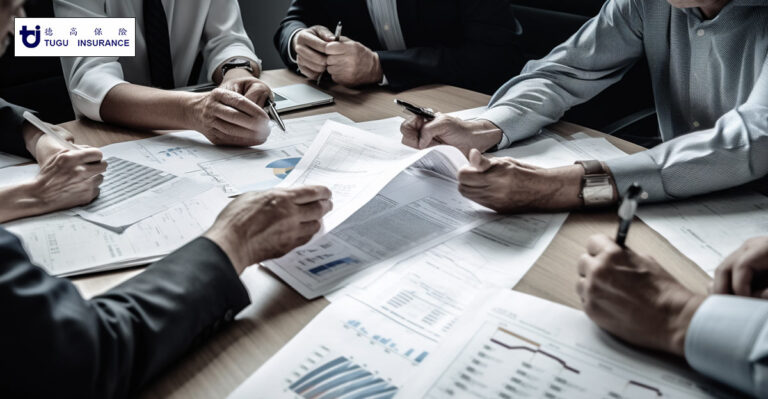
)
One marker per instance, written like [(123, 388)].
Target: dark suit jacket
[(54, 343), (466, 43), (11, 122)]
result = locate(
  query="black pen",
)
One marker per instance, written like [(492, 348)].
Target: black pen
[(426, 113), (627, 211)]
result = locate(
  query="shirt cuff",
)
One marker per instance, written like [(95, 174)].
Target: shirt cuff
[(236, 50), (638, 168), (291, 52), (88, 95), (721, 337), (507, 120), (384, 81)]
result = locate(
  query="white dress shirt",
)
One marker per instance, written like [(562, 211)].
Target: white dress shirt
[(211, 26), (710, 83)]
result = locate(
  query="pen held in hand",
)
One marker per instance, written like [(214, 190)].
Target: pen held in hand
[(627, 211), (272, 112), (336, 37), (48, 130)]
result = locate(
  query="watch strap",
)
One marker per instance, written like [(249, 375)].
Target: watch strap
[(595, 185), (592, 167)]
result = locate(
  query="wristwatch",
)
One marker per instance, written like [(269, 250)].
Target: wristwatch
[(596, 185), (236, 63)]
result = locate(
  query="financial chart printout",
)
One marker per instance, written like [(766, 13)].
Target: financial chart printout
[(522, 346)]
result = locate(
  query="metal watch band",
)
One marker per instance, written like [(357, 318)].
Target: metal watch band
[(236, 63), (596, 187)]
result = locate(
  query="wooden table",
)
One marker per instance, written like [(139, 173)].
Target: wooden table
[(278, 312)]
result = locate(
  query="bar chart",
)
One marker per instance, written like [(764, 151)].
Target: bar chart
[(330, 377)]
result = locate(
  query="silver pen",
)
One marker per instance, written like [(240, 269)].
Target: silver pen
[(336, 38), (272, 111)]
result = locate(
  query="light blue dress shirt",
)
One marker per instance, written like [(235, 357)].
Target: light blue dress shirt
[(727, 341), (710, 81)]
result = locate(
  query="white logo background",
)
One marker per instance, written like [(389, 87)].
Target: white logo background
[(77, 37)]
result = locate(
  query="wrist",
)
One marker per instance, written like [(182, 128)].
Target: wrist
[(487, 134), (228, 246), (31, 137), (377, 75), (236, 73), (22, 200), (686, 307), (565, 187), (192, 106)]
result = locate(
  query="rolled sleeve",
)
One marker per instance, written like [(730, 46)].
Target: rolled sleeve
[(727, 340), (90, 85)]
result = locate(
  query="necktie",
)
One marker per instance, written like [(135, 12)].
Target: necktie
[(158, 45)]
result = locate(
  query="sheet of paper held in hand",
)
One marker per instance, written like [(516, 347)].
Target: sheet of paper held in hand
[(356, 166)]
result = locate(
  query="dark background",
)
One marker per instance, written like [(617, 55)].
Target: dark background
[(624, 109)]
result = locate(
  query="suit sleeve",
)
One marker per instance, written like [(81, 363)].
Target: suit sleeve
[(484, 56), (115, 343), (301, 14), (11, 122)]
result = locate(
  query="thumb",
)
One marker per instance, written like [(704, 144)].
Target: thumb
[(324, 33), (478, 161)]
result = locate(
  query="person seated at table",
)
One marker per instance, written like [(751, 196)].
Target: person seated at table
[(136, 91), (55, 343), (709, 65), (722, 336), (403, 44)]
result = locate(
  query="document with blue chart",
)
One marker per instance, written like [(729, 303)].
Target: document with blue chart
[(520, 346), (348, 351), (235, 170), (415, 211)]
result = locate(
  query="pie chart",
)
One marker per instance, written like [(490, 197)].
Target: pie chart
[(283, 167)]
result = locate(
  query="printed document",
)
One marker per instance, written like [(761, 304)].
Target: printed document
[(708, 229), (348, 351), (132, 192), (416, 211), (355, 165), (521, 346), (66, 245)]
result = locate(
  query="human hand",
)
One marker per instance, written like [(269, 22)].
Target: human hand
[(634, 298), (444, 129), (745, 272), (507, 185), (351, 64), (309, 47), (247, 86), (259, 226), (226, 117), (67, 179)]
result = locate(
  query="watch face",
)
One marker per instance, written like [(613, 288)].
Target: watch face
[(599, 193)]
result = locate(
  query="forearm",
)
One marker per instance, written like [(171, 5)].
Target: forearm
[(19, 202), (149, 108)]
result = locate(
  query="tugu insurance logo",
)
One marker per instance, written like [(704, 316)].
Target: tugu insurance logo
[(75, 37), (26, 34)]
